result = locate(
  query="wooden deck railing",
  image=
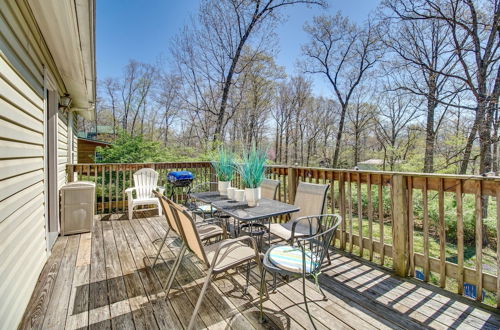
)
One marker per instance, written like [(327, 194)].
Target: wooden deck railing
[(415, 223)]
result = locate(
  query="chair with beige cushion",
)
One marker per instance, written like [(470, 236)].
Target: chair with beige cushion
[(269, 188), (218, 257), (207, 231), (311, 198)]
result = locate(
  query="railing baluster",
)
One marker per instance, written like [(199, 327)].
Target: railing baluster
[(103, 181), (381, 217), (332, 190), (411, 225), (442, 235), (370, 213), (349, 193), (110, 205), (117, 193), (460, 238), (479, 241), (426, 231), (360, 214), (342, 210)]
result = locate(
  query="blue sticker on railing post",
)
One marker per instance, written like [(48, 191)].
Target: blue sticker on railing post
[(419, 275)]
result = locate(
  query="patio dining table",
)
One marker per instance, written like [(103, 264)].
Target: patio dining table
[(242, 213)]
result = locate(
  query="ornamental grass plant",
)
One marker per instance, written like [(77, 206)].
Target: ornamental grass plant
[(252, 170), (224, 165)]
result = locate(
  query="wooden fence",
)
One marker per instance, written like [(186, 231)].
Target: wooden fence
[(431, 226)]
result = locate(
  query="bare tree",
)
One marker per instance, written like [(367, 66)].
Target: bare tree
[(474, 30), (360, 115), (424, 61), (111, 88), (167, 99), (396, 112), (258, 84), (343, 52), (281, 114), (211, 50)]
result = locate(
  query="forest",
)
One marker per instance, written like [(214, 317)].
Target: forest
[(415, 87)]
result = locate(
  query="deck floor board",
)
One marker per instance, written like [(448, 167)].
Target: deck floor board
[(103, 280)]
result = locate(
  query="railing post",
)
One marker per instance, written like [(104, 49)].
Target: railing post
[(400, 239), (292, 184), (70, 173), (213, 177)]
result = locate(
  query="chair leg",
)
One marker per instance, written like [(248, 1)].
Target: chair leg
[(247, 278), (160, 212), (322, 292), (262, 287), (328, 257), (161, 247), (305, 300), (175, 268), (130, 211), (200, 299)]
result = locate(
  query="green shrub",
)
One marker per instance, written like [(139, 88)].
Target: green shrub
[(132, 149)]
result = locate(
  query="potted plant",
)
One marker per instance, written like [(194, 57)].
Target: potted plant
[(224, 169), (252, 173)]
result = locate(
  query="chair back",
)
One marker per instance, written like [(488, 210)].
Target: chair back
[(145, 181), (311, 198), (269, 188), (315, 248), (167, 210), (189, 233)]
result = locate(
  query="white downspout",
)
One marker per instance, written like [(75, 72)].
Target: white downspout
[(70, 137)]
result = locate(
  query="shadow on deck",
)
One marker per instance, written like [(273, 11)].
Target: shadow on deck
[(103, 280)]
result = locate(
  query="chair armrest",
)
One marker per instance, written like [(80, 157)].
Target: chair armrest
[(301, 219), (129, 193), (161, 190), (317, 216), (209, 221), (233, 241)]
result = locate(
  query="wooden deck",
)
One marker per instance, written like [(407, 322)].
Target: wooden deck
[(102, 280)]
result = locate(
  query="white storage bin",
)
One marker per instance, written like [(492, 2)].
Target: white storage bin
[(77, 207)]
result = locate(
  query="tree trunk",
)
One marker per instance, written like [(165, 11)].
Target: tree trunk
[(430, 133), (336, 152), (356, 148), (468, 147)]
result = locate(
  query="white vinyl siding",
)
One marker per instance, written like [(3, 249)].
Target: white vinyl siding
[(22, 208), (62, 147)]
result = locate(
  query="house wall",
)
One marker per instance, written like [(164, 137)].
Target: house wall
[(23, 245), (86, 150)]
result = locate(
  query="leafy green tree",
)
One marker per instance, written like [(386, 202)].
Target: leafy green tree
[(132, 149)]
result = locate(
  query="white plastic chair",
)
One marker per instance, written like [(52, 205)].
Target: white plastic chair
[(145, 181)]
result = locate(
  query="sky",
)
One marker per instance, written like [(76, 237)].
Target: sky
[(143, 29)]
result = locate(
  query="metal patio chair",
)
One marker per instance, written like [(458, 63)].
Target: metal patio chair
[(269, 188), (218, 257), (207, 231), (304, 258), (311, 198)]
